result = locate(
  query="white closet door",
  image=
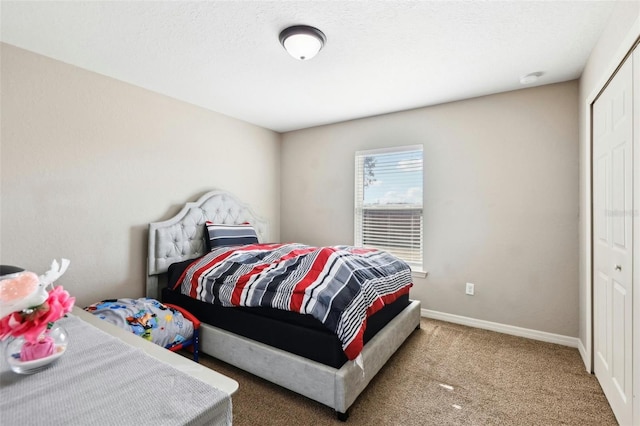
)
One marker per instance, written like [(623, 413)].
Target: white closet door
[(613, 241), (636, 232)]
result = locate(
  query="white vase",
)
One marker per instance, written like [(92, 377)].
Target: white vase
[(15, 352)]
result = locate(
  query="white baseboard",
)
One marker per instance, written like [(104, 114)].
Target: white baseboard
[(583, 355), (543, 336)]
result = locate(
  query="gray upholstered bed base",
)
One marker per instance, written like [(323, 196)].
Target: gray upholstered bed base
[(337, 388), (181, 238)]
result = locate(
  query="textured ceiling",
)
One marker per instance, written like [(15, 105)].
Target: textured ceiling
[(380, 56)]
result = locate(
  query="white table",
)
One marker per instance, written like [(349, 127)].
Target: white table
[(179, 362), (111, 376)]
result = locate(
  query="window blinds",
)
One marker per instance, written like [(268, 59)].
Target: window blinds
[(388, 201)]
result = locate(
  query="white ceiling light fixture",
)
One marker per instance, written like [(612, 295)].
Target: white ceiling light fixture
[(302, 42), (530, 78)]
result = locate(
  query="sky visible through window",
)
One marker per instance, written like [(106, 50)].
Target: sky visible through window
[(393, 178)]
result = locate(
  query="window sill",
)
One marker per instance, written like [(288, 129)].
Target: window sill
[(419, 274)]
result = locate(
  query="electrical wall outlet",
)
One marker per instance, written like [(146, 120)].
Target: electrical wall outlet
[(470, 289)]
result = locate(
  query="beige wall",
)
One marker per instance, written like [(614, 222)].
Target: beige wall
[(88, 161), (616, 40), (500, 197)]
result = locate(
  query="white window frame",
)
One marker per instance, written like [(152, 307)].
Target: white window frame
[(415, 254)]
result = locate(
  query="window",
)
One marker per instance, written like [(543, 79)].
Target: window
[(388, 202)]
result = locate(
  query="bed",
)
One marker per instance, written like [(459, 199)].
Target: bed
[(285, 348)]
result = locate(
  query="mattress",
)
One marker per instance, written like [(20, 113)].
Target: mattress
[(289, 331)]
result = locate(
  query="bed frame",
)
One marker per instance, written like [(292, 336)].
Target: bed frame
[(182, 238)]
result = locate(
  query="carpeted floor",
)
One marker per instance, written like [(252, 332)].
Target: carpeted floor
[(446, 374)]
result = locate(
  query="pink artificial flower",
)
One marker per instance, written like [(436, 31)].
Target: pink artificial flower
[(32, 323), (12, 325), (22, 324), (60, 303)]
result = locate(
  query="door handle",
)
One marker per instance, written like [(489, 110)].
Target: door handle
[(618, 267)]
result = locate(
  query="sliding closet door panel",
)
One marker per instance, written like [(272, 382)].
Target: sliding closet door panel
[(602, 320), (613, 240), (636, 238)]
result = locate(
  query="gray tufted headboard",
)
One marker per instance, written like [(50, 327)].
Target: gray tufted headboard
[(182, 237)]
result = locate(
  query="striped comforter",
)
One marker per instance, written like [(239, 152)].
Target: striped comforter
[(339, 286)]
